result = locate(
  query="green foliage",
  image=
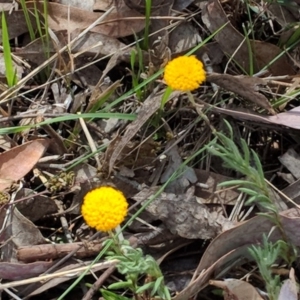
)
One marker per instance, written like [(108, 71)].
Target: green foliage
[(133, 264), (98, 115), (42, 30), (294, 38), (165, 97), (136, 74), (10, 71), (247, 163), (147, 23), (266, 256), (28, 20), (107, 295)]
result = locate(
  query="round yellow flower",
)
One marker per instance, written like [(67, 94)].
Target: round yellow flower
[(184, 73), (104, 208)]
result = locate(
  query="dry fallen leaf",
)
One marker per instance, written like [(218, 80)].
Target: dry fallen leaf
[(183, 215), (17, 162), (291, 160), (91, 45), (230, 40), (86, 4), (121, 22), (36, 207), (289, 290), (289, 119), (243, 86), (187, 175), (17, 271), (19, 232), (237, 289), (16, 23), (232, 245), (185, 36)]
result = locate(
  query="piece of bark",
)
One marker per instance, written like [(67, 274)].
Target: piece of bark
[(54, 251)]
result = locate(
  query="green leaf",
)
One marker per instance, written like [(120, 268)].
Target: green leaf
[(165, 97), (145, 287), (120, 285), (166, 293), (258, 165), (157, 285), (248, 191), (107, 295), (246, 152), (10, 72), (99, 115), (236, 182)]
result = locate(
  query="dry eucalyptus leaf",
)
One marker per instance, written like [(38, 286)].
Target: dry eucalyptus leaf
[(18, 232), (250, 232), (282, 15), (243, 86), (159, 35), (24, 232), (289, 290), (94, 43), (16, 23), (18, 161), (230, 40), (121, 22), (180, 184), (237, 289), (102, 5), (290, 118), (293, 191), (231, 246), (6, 5), (291, 160), (86, 4), (184, 36), (179, 5), (140, 6), (91, 45), (183, 215), (17, 271), (36, 207), (227, 261)]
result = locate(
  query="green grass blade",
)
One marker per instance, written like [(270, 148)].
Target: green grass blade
[(10, 72)]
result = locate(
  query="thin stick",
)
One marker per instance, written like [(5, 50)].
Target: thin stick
[(69, 273), (95, 287)]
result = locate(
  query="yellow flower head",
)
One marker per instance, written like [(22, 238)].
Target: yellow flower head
[(184, 73), (104, 208)]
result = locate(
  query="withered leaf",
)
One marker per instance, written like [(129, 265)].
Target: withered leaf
[(17, 162), (183, 215), (235, 45), (243, 86)]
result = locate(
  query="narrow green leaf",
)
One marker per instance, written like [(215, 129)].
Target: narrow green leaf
[(145, 287), (248, 191), (120, 285), (236, 182), (10, 72), (157, 285), (107, 295)]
